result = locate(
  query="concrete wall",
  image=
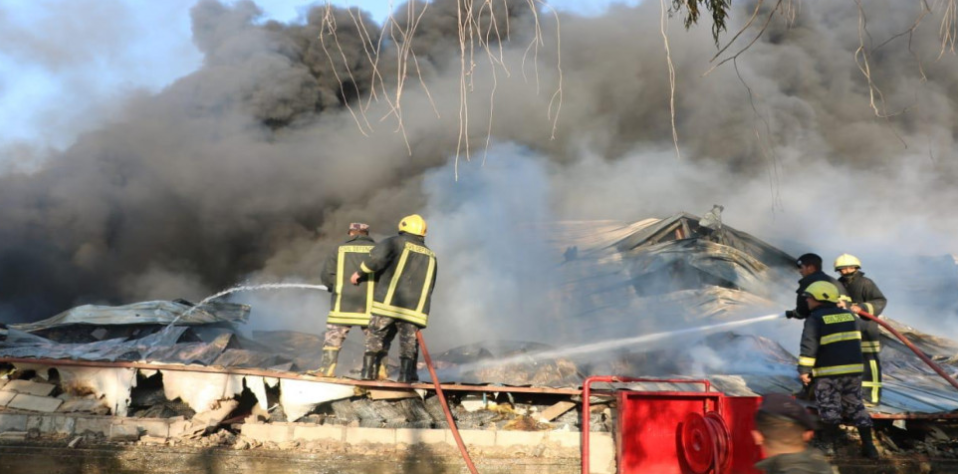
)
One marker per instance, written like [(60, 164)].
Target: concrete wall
[(108, 426), (602, 460), (602, 445)]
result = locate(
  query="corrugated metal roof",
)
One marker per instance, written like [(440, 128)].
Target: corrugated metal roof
[(603, 283), (146, 312)]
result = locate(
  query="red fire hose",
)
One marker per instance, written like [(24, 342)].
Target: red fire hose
[(911, 346), (445, 406), (586, 392)]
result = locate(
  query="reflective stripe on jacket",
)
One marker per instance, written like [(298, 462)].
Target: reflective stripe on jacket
[(865, 293), (350, 304), (405, 270), (831, 343)]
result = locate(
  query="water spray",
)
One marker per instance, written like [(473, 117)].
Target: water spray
[(616, 343), (265, 286)]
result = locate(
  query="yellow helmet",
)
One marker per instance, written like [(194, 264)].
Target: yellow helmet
[(413, 224), (822, 291), (846, 260)]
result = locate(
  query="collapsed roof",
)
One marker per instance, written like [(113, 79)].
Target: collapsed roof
[(647, 276)]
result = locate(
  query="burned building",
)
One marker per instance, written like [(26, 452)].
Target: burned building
[(673, 288)]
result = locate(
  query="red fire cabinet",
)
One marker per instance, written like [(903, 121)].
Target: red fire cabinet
[(695, 432)]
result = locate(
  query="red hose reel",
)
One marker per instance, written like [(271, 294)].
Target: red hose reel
[(706, 442), (677, 432)]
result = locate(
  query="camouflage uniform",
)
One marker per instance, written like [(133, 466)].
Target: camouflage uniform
[(382, 330), (336, 334), (839, 397), (831, 352), (405, 271), (349, 304)]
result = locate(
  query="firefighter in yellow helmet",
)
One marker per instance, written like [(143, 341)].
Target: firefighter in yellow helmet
[(865, 295), (831, 353), (405, 272)]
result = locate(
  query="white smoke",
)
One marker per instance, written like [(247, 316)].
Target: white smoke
[(495, 272), (251, 165)]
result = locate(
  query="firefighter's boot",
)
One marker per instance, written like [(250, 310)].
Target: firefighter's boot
[(407, 371), (868, 444), (330, 357), (383, 372), (370, 366), (827, 439)]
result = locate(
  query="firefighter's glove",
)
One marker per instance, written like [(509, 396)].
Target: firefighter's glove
[(791, 314)]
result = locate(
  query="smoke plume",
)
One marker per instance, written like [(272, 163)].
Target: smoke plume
[(251, 167)]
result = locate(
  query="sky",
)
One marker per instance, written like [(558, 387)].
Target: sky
[(135, 215), (65, 64)]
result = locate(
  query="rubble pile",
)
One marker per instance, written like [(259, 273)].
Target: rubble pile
[(169, 373), (937, 439), (38, 395), (370, 423), (152, 418)]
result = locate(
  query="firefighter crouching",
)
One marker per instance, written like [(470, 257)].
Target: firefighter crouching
[(865, 296), (405, 272), (350, 304), (831, 352)]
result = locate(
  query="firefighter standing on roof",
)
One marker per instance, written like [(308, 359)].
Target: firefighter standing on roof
[(831, 352), (810, 266), (865, 296), (405, 271), (350, 304)]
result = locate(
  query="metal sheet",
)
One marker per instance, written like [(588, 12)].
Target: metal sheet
[(147, 312), (298, 397)]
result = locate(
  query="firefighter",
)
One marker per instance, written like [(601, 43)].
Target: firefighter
[(405, 271), (810, 267), (350, 304), (865, 295), (831, 352), (783, 429)]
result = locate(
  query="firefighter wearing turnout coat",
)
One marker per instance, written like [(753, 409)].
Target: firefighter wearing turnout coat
[(831, 353), (865, 296), (350, 304), (405, 272)]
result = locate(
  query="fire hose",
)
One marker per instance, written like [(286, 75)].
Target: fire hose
[(445, 406), (921, 355), (586, 393)]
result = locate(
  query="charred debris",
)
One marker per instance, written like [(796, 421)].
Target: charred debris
[(195, 368)]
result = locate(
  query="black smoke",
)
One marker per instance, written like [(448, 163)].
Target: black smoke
[(253, 164)]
